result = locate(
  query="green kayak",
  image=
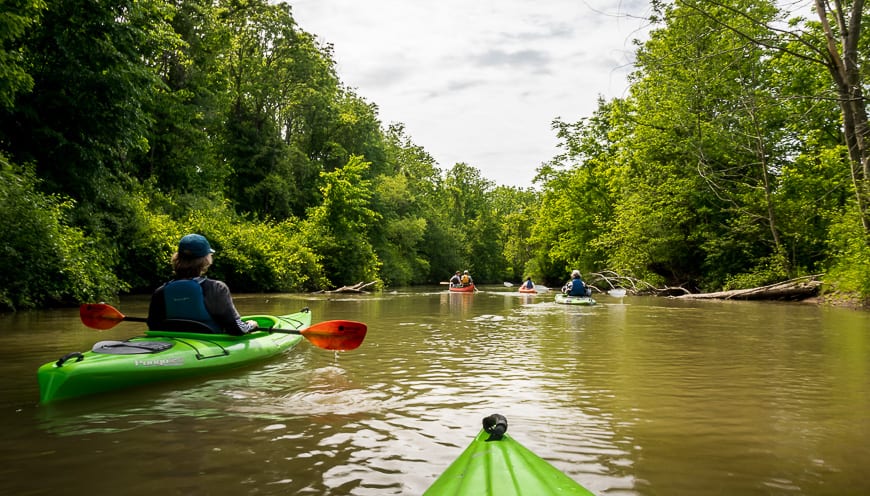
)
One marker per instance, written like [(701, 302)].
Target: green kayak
[(574, 300), (494, 464), (162, 356)]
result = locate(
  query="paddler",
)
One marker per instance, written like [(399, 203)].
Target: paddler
[(191, 296)]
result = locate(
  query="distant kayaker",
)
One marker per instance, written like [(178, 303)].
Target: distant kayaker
[(466, 279), (455, 281), (528, 284), (192, 296), (576, 286)]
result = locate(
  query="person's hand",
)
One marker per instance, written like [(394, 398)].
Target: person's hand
[(253, 324)]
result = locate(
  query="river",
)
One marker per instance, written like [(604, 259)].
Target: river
[(633, 396)]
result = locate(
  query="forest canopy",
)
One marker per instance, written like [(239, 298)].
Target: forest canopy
[(737, 158)]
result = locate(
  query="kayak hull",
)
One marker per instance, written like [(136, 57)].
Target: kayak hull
[(502, 468), (189, 354), (462, 289), (564, 299), (528, 291)]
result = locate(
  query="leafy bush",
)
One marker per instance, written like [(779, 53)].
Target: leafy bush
[(253, 255), (768, 271), (849, 269), (42, 259)]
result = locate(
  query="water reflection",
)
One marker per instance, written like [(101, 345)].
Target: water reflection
[(633, 396)]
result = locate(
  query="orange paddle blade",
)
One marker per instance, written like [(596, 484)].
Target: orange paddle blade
[(100, 315), (336, 334)]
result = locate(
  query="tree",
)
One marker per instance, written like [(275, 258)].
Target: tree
[(836, 47), (339, 228), (466, 200), (398, 237), (189, 107), (63, 265), (842, 60), (579, 191), (86, 113), (517, 209), (16, 17)]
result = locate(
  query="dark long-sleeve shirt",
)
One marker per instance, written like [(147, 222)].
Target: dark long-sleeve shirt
[(218, 303)]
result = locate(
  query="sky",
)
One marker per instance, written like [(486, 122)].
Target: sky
[(480, 81)]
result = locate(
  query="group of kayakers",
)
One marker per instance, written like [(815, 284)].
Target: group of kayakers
[(461, 281), (190, 296), (574, 287)]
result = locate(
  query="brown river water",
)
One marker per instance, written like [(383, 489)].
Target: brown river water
[(633, 396)]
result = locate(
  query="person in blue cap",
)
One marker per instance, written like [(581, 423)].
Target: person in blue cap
[(192, 302)]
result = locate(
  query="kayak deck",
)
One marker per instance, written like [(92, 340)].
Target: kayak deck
[(502, 467), (163, 356), (574, 300)]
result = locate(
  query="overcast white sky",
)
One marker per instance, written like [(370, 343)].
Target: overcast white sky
[(480, 81)]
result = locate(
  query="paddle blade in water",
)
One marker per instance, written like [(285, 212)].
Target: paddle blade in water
[(336, 334), (100, 316)]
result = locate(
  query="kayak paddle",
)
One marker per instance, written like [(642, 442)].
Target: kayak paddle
[(330, 335)]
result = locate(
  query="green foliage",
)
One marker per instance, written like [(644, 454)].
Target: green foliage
[(16, 17), (849, 265), (286, 120), (42, 258), (399, 236), (92, 83), (517, 209), (695, 184), (338, 229), (766, 272), (188, 107), (256, 256), (576, 210), (250, 255), (721, 168), (466, 198)]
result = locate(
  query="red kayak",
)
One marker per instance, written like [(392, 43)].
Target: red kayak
[(462, 289), (526, 290)]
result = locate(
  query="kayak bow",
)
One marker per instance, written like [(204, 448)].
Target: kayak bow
[(495, 464)]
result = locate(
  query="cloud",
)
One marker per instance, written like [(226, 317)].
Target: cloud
[(532, 59), (480, 82)]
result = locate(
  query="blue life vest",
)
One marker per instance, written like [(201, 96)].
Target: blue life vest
[(185, 301), (577, 288)]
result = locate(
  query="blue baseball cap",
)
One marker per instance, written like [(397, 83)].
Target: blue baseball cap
[(194, 246)]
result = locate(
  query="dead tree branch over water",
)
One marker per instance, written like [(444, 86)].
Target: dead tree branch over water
[(794, 289)]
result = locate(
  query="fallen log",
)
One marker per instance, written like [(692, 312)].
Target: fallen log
[(794, 289)]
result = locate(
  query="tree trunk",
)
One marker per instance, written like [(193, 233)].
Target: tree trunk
[(846, 74), (794, 289)]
